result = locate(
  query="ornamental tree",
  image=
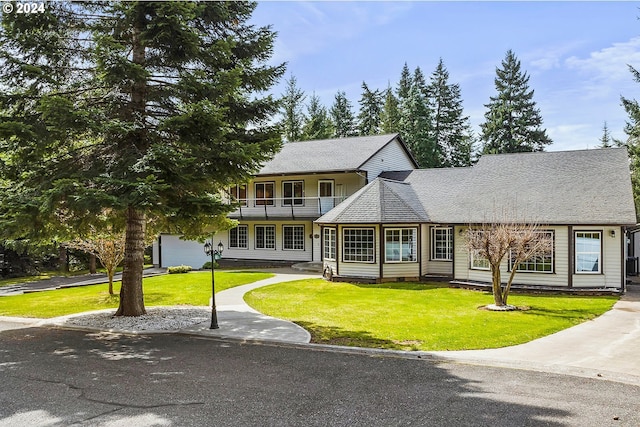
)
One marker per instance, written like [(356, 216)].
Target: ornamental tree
[(146, 109)]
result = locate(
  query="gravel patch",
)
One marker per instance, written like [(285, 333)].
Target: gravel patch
[(156, 319)]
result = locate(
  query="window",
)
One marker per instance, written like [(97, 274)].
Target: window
[(238, 237), (265, 236), (588, 252), (238, 193), (329, 244), (442, 243), (401, 244), (479, 262), (542, 263), (358, 245), (293, 237), (264, 193), (292, 192)]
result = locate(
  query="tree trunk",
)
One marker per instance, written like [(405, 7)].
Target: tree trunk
[(110, 274), (497, 285), (63, 259), (131, 297), (92, 263)]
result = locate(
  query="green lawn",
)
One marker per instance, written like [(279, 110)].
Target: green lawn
[(171, 289), (416, 316)]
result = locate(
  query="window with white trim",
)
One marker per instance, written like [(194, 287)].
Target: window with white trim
[(238, 193), (292, 192), (265, 193), (358, 245), (238, 237), (542, 263), (265, 236), (478, 262), (293, 237), (442, 243), (588, 252), (400, 244), (329, 244)]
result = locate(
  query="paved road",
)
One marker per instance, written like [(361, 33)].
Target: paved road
[(61, 378)]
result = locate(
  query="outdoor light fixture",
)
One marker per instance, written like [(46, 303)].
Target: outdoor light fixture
[(612, 233), (215, 255)]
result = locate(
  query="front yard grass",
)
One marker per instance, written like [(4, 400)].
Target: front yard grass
[(172, 289), (418, 316)]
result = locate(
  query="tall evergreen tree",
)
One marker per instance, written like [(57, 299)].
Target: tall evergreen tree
[(404, 84), (513, 123), (450, 129), (318, 124), (370, 111), (390, 115), (141, 109), (605, 140), (632, 129), (293, 117), (341, 113), (415, 126)]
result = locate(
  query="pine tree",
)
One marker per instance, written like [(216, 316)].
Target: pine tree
[(451, 130), (605, 140), (632, 129), (404, 84), (513, 123), (390, 115), (142, 109), (293, 116), (370, 111), (342, 117), (318, 124)]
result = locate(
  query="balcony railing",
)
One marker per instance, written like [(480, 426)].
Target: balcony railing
[(289, 207)]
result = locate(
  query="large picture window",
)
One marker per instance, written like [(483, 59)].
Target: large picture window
[(588, 252), (238, 237), (359, 245), (292, 192), (542, 263), (293, 237), (478, 262), (264, 193), (265, 237), (442, 243), (329, 244), (400, 244)]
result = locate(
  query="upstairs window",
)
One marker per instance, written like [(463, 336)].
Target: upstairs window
[(265, 193), (292, 193), (238, 193)]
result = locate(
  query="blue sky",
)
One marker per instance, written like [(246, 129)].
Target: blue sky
[(576, 53)]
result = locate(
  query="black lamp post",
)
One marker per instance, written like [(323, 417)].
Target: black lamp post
[(215, 254)]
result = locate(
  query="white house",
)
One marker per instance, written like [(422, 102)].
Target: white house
[(411, 224), (278, 207)]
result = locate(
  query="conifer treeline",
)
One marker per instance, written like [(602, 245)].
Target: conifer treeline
[(428, 115)]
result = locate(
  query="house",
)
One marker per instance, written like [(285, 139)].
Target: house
[(278, 207), (411, 224)]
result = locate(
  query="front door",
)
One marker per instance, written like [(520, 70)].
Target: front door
[(325, 195)]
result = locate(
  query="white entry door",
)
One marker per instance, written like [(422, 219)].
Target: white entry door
[(325, 195)]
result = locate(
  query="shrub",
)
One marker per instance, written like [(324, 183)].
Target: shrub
[(179, 269), (207, 265)]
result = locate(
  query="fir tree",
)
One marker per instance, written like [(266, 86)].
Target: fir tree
[(415, 127), (404, 84), (143, 110), (632, 129), (370, 111), (293, 117), (318, 124), (390, 115), (450, 129), (513, 123), (605, 140), (342, 117)]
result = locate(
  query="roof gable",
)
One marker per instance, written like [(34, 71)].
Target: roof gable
[(327, 155)]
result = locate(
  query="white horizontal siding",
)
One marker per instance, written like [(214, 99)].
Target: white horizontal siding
[(401, 269), (439, 268), (176, 251), (391, 158)]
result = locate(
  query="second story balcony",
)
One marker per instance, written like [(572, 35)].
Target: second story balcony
[(278, 208)]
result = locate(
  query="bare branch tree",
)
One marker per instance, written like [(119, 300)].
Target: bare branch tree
[(495, 240), (108, 249)]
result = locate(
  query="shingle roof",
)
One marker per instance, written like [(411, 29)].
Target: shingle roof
[(329, 155), (570, 187), (379, 201)]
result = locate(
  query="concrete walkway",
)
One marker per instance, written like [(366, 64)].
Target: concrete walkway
[(239, 321)]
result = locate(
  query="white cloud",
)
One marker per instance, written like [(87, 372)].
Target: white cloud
[(549, 57), (609, 63)]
